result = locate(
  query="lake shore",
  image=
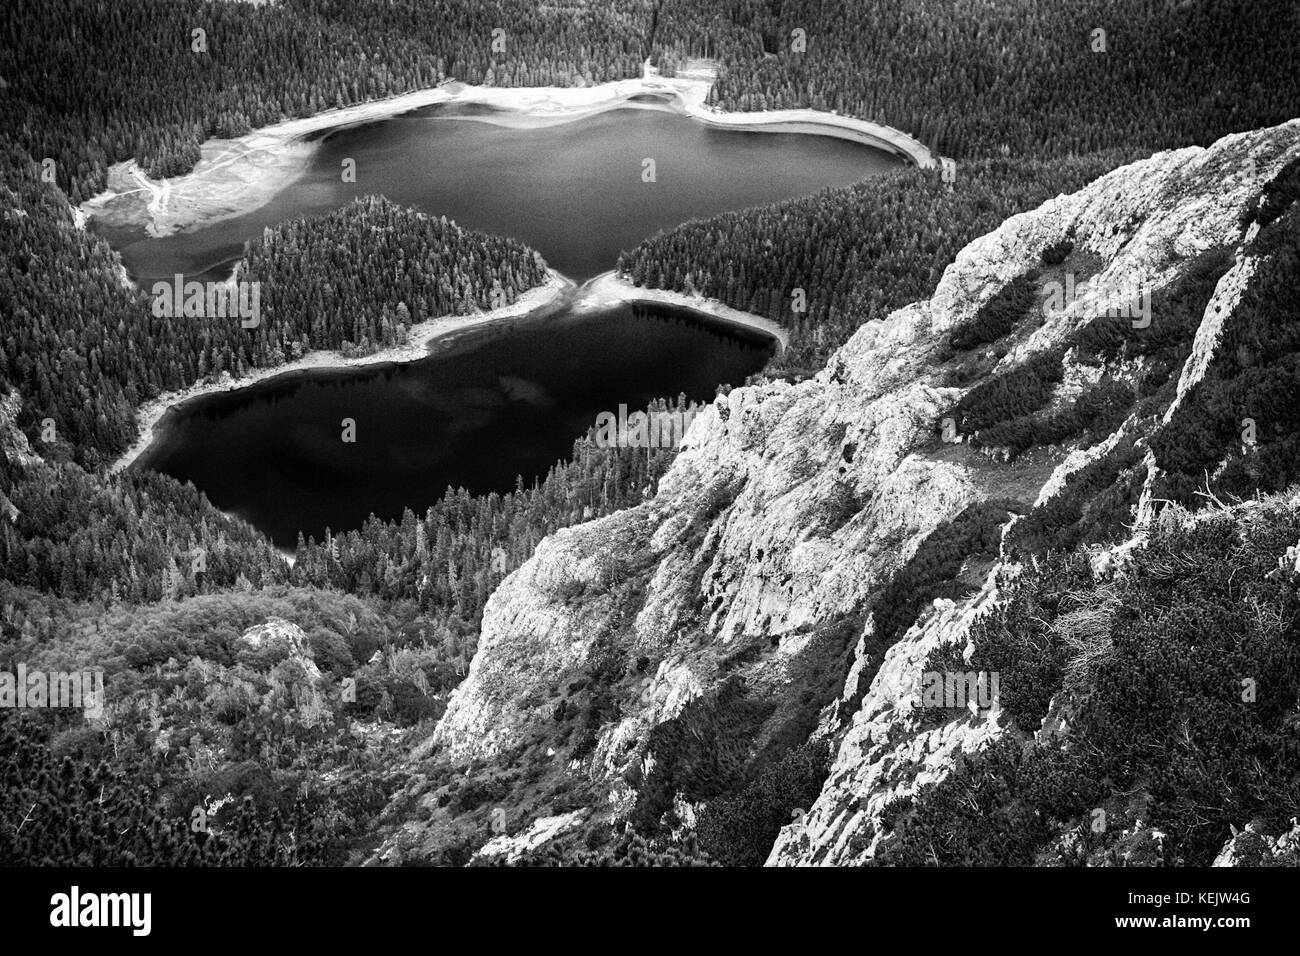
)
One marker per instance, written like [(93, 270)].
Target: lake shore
[(610, 288), (236, 176), (150, 415)]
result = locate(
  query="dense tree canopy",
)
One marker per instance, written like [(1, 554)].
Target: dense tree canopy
[(1019, 78), (84, 349), (141, 89), (99, 569)]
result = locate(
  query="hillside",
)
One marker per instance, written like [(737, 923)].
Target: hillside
[(734, 664), (724, 655)]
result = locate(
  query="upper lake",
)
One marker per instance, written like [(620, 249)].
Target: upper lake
[(572, 190)]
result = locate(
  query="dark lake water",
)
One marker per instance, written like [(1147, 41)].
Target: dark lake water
[(510, 402), (498, 403), (572, 191)]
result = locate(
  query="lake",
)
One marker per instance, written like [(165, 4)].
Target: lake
[(573, 191), (500, 402)]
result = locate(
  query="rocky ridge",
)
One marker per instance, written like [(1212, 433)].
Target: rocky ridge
[(742, 602)]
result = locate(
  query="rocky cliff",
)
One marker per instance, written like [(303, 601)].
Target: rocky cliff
[(756, 637)]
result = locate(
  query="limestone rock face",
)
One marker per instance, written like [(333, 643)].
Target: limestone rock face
[(1250, 847), (14, 446), (541, 831), (13, 443), (1187, 205), (790, 507)]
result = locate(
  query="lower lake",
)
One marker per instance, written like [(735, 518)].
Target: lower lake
[(498, 404)]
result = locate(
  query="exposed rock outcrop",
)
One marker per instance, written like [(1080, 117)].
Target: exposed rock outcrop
[(754, 575), (1250, 847), (277, 640)]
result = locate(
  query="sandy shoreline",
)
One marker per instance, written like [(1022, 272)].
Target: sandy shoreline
[(151, 413), (609, 288), (236, 176)]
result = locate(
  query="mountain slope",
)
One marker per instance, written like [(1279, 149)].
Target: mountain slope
[(748, 644)]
